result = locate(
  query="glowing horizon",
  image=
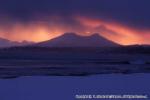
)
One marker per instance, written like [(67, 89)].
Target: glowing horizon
[(40, 31)]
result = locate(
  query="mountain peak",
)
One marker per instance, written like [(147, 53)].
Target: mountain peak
[(75, 40), (74, 34), (70, 33), (95, 35), (8, 43)]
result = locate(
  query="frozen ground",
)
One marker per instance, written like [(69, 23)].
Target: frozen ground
[(16, 62), (66, 87), (57, 74), (17, 68)]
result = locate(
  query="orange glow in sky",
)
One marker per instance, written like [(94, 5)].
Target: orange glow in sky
[(116, 32), (44, 31)]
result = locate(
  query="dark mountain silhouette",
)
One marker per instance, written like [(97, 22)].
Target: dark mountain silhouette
[(74, 40), (8, 43)]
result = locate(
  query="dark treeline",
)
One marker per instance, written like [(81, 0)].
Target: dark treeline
[(144, 49)]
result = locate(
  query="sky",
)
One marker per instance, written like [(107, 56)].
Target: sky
[(122, 21)]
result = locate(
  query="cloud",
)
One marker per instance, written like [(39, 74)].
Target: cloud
[(124, 21), (129, 12)]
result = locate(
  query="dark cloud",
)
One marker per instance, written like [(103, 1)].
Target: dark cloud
[(130, 12)]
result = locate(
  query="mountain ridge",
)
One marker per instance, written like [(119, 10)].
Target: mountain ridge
[(8, 43), (75, 40)]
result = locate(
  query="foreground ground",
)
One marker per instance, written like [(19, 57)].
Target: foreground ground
[(16, 62)]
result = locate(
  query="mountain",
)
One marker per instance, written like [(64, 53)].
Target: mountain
[(8, 43), (74, 40)]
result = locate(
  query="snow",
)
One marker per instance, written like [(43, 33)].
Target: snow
[(65, 88), (137, 62)]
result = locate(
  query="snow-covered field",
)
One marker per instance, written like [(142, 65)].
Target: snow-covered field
[(75, 65), (35, 61), (61, 74), (66, 87)]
